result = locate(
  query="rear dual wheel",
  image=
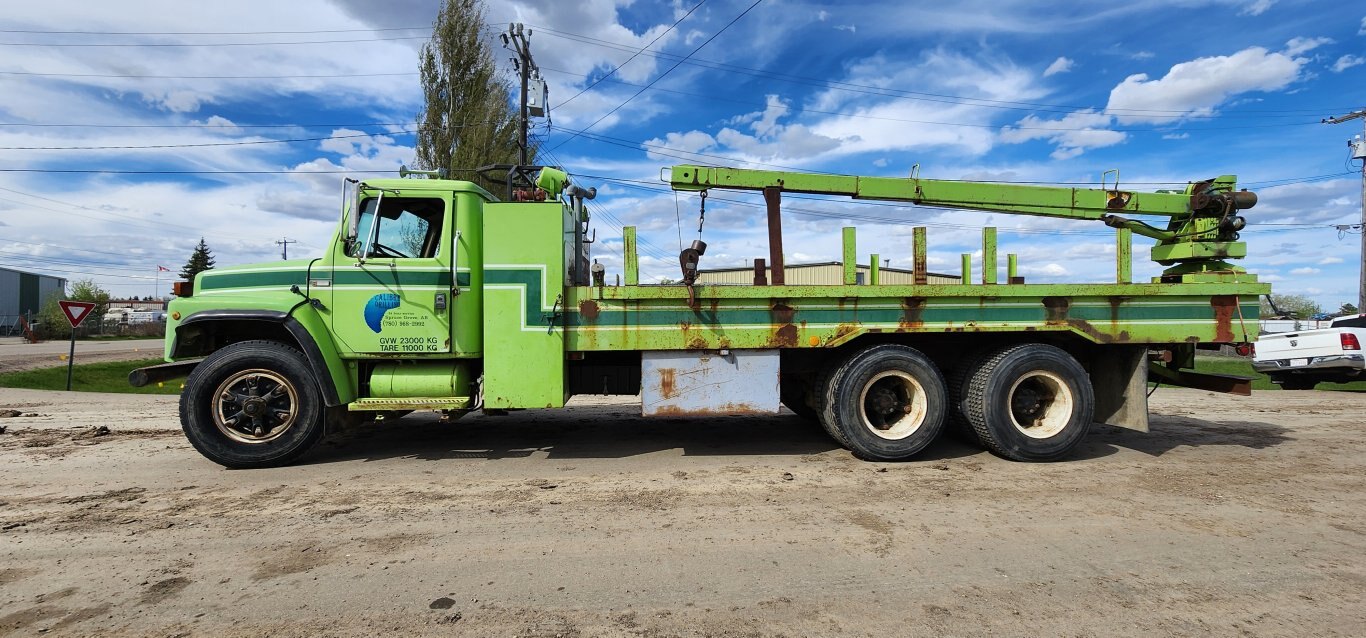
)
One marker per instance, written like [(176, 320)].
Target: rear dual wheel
[(884, 403), (1029, 402)]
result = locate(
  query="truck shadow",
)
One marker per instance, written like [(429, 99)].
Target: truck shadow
[(1170, 432), (617, 434)]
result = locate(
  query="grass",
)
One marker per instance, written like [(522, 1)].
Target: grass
[(1243, 367), (90, 377)]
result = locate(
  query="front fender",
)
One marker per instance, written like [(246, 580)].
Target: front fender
[(302, 324)]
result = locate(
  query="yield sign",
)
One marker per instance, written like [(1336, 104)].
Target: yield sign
[(76, 311)]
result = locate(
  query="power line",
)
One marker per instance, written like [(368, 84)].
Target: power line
[(199, 145), (368, 30), (76, 272), (202, 44), (214, 126), (932, 97), (130, 218), (662, 75), (205, 77), (715, 98), (633, 55)]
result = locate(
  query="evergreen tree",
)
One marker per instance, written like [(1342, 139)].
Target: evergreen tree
[(200, 261), (468, 119)]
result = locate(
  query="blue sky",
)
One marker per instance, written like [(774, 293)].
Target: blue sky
[(1166, 91)]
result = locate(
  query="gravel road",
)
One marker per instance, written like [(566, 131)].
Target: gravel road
[(1235, 516), (15, 355)]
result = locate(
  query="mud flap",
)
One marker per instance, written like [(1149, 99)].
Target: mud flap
[(1119, 379)]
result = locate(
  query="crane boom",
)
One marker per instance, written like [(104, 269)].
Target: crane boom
[(1202, 228)]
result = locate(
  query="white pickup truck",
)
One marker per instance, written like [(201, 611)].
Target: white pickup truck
[(1300, 360)]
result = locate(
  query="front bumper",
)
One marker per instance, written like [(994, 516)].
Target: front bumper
[(1334, 363)]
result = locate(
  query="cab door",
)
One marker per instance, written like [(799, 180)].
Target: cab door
[(394, 297)]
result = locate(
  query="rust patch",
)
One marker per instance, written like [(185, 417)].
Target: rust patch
[(1056, 310), (785, 336), (588, 309), (667, 383), (842, 331), (1224, 307), (1090, 330), (724, 409), (1115, 303), (697, 343), (782, 313), (912, 313)]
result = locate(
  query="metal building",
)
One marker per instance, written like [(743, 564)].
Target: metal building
[(24, 292), (829, 273)]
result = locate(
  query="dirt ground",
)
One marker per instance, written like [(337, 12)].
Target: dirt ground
[(1234, 516)]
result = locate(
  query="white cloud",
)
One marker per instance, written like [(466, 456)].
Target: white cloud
[(880, 162), (1327, 261), (1176, 136), (1060, 65), (1296, 46), (1142, 55), (1073, 134), (846, 27), (822, 15), (1362, 30), (1305, 271), (1199, 86), (1257, 7), (1346, 62)]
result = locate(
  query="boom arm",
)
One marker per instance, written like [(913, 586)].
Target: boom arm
[(1202, 231)]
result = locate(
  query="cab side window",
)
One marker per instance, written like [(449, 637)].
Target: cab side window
[(406, 227)]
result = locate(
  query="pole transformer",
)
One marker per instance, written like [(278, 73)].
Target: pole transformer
[(531, 100), (1358, 146)]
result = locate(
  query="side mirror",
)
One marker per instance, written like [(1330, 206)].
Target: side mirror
[(350, 216)]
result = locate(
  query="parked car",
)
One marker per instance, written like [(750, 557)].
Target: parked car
[(1300, 360)]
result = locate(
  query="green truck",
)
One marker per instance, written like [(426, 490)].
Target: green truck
[(433, 294)]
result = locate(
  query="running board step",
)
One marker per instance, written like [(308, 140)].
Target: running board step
[(411, 403)]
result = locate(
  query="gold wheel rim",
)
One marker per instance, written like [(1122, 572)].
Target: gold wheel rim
[(255, 406)]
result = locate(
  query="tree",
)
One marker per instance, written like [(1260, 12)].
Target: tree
[(53, 323), (468, 119), (200, 260), (1291, 306), (1347, 309)]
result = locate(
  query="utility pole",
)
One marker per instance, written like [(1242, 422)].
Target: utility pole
[(284, 243), (1358, 147), (532, 100)]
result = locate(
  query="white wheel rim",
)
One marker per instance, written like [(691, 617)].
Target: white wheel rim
[(893, 405), (1040, 404)]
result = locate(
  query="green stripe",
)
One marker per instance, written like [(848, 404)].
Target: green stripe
[(674, 312), (340, 277)]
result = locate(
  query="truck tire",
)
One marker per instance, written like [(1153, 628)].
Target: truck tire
[(958, 378), (1292, 383), (252, 404), (1030, 402), (820, 401), (885, 403)]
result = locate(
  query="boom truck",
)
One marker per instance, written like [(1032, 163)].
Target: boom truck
[(433, 294)]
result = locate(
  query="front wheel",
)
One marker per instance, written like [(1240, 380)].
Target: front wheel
[(885, 403), (1029, 402), (252, 404)]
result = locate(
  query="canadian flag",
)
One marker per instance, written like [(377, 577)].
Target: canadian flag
[(161, 268)]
